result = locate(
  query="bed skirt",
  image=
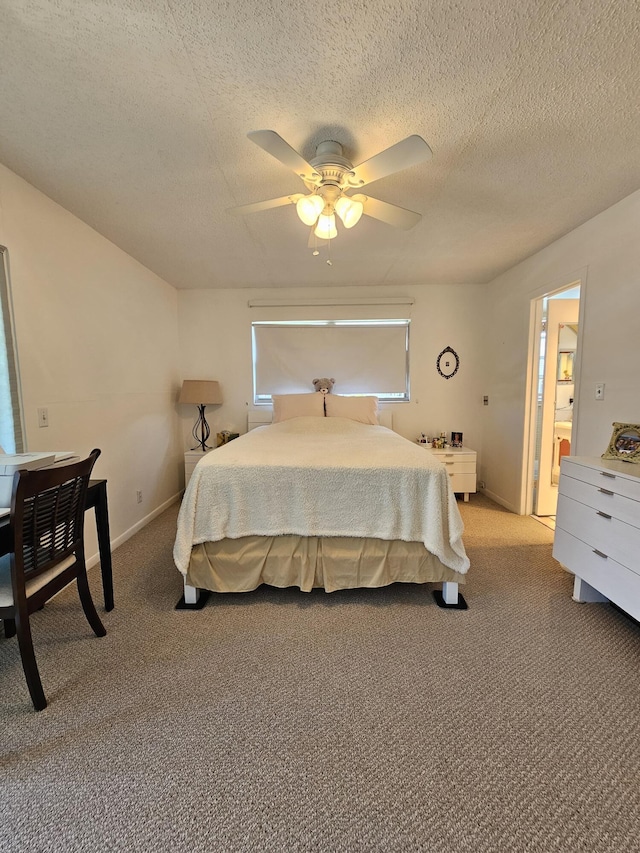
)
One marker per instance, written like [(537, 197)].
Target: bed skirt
[(330, 563)]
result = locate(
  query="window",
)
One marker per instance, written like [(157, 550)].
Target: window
[(10, 417), (363, 356)]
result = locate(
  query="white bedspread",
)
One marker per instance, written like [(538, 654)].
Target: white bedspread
[(321, 477)]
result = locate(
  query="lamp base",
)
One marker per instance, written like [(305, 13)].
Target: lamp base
[(201, 427)]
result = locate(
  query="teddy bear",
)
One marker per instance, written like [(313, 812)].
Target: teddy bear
[(324, 386)]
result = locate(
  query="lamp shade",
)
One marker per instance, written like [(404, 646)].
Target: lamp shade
[(349, 210), (309, 208), (326, 227), (201, 392)]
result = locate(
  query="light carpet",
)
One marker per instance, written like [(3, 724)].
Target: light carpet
[(367, 720)]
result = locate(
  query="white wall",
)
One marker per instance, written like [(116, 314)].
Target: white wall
[(98, 346), (215, 343), (604, 254), (104, 343)]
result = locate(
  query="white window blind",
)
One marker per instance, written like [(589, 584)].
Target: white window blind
[(363, 356)]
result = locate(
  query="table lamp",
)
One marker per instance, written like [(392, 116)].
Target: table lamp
[(202, 393)]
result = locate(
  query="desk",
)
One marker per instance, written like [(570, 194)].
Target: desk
[(96, 500)]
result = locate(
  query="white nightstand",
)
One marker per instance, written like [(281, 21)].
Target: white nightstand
[(461, 467), (191, 459)]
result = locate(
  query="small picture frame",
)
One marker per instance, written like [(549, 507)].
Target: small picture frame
[(624, 443), (456, 439)]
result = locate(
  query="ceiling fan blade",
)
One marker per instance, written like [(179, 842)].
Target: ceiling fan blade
[(408, 152), (258, 206), (275, 145), (399, 217)]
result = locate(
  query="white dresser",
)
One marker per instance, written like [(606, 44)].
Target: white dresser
[(597, 534), (461, 467)]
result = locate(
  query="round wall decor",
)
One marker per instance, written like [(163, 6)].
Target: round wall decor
[(448, 363)]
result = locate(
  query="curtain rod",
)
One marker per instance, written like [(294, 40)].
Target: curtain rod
[(354, 300)]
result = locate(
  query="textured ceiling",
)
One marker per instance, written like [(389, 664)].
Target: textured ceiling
[(133, 115)]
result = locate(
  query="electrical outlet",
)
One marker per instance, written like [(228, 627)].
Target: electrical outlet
[(43, 417), (482, 484), (139, 496), (600, 391)]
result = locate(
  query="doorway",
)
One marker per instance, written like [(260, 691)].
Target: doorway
[(554, 363)]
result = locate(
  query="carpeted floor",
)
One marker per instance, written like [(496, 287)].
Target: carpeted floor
[(368, 720)]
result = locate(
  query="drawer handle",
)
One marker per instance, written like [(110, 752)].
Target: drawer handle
[(607, 474), (605, 491), (600, 554), (603, 515), (448, 454), (449, 463)]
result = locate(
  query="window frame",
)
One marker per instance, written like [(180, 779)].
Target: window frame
[(264, 399), (9, 364)]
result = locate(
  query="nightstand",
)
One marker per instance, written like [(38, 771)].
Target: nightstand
[(461, 467), (191, 459)]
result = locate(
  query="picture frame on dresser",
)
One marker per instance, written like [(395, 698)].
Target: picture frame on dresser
[(624, 443)]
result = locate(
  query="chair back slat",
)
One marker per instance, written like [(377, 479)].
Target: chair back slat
[(48, 514), (51, 523)]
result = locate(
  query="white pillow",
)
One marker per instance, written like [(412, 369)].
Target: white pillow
[(364, 410), (287, 406)]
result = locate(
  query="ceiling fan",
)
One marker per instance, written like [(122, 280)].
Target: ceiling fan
[(330, 177)]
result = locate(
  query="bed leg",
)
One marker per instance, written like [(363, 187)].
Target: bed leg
[(450, 597), (193, 598)]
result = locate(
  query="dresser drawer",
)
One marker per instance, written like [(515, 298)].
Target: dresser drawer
[(460, 464), (459, 467), (604, 574), (626, 486), (619, 541), (455, 456), (462, 482), (602, 499)]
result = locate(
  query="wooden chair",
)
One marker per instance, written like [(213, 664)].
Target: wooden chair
[(47, 525)]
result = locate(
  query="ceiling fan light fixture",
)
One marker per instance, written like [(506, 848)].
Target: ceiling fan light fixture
[(326, 227), (309, 208), (330, 176), (349, 210)]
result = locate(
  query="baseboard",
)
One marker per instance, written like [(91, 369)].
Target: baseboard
[(497, 499), (95, 558)]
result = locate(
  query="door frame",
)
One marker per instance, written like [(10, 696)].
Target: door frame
[(531, 393), (559, 312)]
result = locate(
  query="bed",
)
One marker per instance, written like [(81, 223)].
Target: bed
[(319, 501)]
